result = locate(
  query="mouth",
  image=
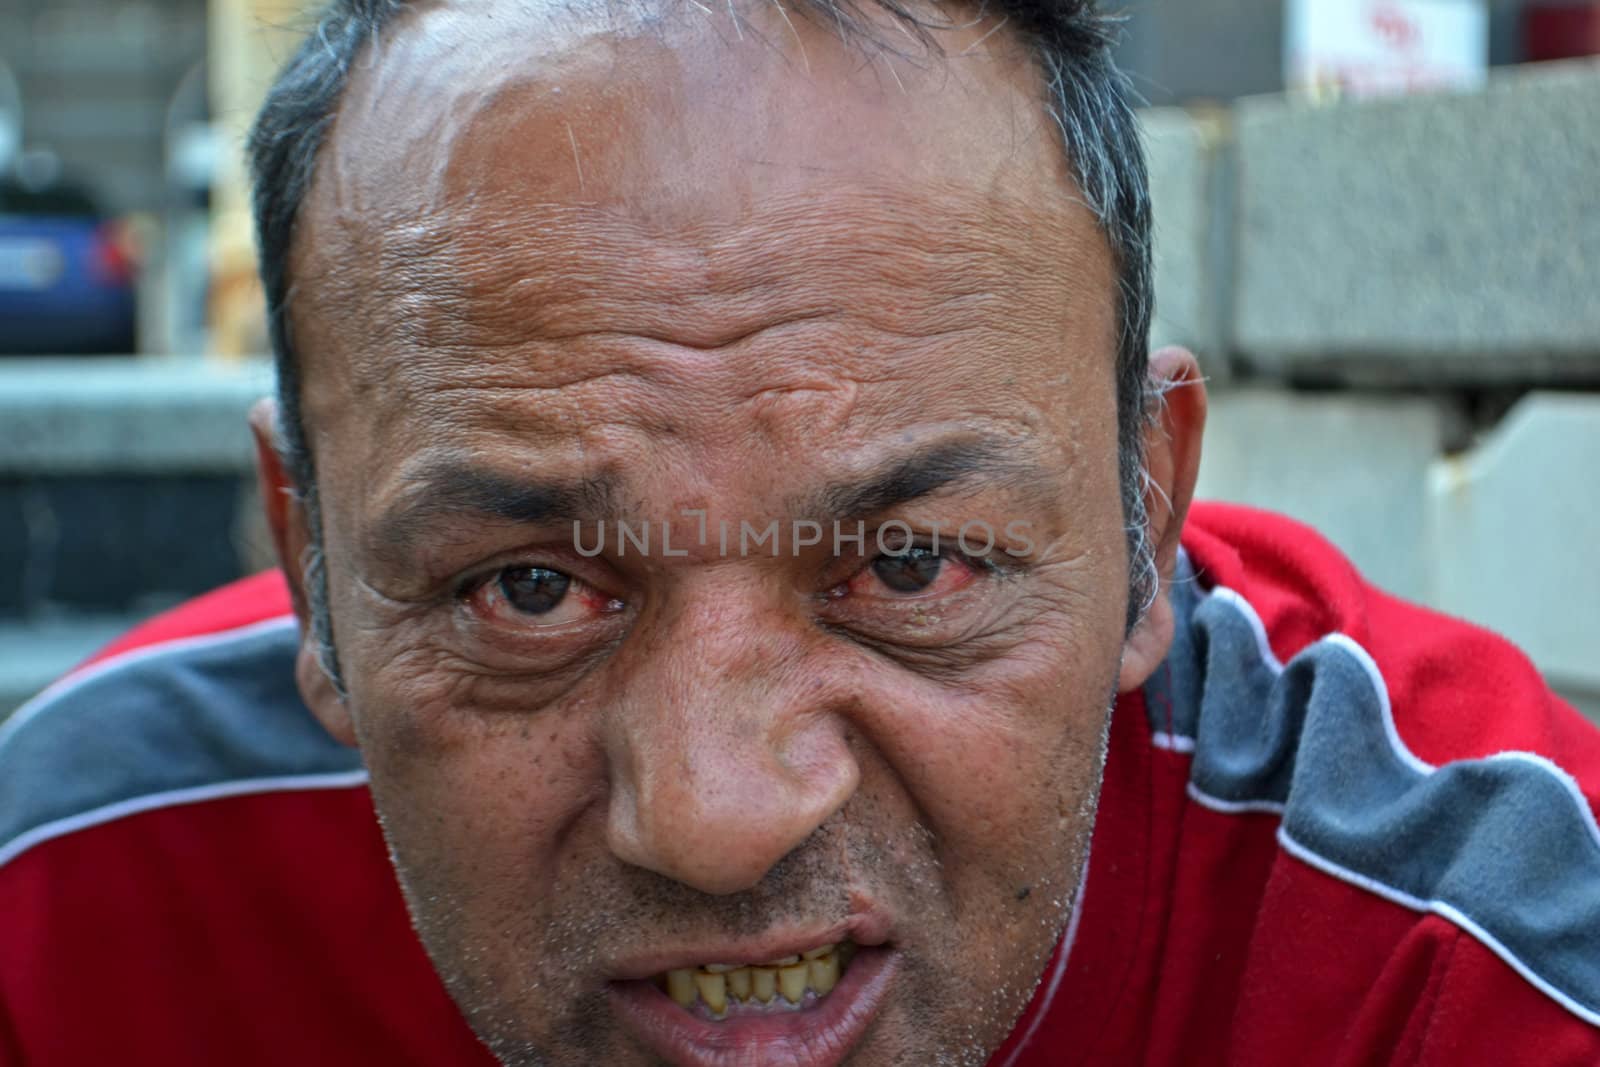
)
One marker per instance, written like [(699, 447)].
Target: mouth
[(806, 1009), (791, 983)]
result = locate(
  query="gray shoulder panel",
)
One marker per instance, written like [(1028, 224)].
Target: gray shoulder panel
[(1505, 847), (214, 715)]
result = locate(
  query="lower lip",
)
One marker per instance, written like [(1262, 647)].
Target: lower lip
[(819, 1036)]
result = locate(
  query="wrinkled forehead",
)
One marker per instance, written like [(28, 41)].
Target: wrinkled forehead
[(688, 171)]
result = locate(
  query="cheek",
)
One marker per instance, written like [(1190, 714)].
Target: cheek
[(475, 803), (1013, 787), (1005, 766)]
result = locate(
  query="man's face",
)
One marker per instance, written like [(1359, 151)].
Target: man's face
[(553, 270)]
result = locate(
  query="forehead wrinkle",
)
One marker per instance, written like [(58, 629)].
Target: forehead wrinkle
[(911, 265), (472, 274)]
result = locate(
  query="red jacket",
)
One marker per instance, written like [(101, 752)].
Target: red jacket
[(1335, 829)]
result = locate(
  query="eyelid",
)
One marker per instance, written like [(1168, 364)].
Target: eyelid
[(588, 573), (947, 553)]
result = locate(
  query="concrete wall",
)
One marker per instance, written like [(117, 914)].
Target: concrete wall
[(1432, 266), (1512, 528), (1405, 239)]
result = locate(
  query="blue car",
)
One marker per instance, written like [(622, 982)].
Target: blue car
[(66, 278)]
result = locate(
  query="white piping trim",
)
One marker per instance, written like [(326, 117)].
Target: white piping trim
[(174, 798), (1422, 766), (1172, 742), (63, 686), (1412, 760), (1068, 940), (1390, 730), (1443, 910), (1233, 807)]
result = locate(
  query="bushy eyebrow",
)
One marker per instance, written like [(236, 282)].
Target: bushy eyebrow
[(926, 470), (445, 492)]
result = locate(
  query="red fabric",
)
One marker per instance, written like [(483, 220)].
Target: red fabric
[(1458, 691), (254, 599), (1561, 31), (1202, 942), (268, 929), (256, 930)]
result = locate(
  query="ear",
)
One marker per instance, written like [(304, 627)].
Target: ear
[(290, 525), (1172, 460)]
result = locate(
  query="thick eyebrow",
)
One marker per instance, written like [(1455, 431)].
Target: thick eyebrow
[(927, 470), (445, 493)]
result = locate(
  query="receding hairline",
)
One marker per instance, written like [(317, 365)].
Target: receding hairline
[(420, 250), (370, 90)]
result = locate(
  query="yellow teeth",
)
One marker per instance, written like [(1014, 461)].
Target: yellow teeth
[(713, 990), (739, 983), (719, 984), (680, 987), (824, 974), (792, 981)]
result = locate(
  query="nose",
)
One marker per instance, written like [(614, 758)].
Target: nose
[(723, 757)]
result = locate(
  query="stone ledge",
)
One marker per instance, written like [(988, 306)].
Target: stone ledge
[(1185, 153), (136, 415), (1423, 236), (1352, 465), (1513, 527)]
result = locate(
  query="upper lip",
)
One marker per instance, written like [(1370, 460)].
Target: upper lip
[(865, 929)]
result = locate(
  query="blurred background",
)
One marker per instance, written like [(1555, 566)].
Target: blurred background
[(1378, 223)]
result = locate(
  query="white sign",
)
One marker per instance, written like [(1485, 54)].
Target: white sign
[(1374, 47)]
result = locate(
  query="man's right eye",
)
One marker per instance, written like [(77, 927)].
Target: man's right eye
[(528, 595), (533, 590)]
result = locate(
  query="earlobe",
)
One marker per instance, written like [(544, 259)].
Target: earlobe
[(1147, 645), (1172, 463), (318, 691)]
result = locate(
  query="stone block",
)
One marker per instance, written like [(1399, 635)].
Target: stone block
[(1513, 528), (1185, 153), (1449, 235), (126, 485), (1354, 466), (67, 416)]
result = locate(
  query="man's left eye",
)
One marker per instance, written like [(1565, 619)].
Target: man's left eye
[(911, 572), (918, 571)]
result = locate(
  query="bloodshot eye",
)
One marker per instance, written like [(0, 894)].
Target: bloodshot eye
[(913, 571), (527, 595), (533, 590)]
